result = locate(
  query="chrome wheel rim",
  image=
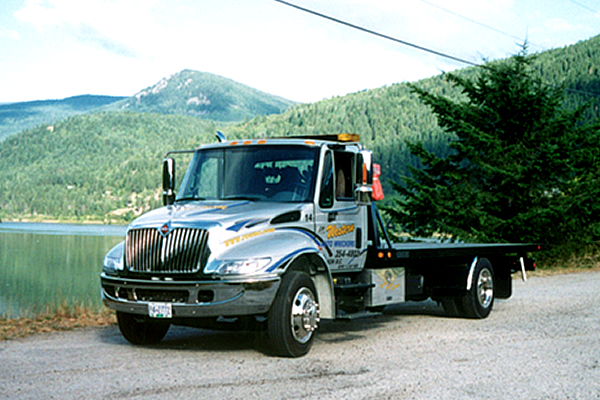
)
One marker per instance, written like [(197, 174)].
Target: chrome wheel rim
[(485, 288), (305, 315)]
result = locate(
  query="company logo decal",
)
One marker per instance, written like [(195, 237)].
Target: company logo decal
[(214, 207), (247, 236), (335, 231)]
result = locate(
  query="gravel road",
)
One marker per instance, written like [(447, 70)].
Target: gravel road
[(543, 343)]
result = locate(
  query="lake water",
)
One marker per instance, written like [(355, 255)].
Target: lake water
[(45, 266)]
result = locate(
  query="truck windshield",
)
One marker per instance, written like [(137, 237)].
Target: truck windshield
[(260, 173)]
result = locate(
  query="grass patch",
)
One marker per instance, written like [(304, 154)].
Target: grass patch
[(63, 319), (560, 271), (569, 259)]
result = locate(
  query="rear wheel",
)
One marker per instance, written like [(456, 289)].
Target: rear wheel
[(452, 306), (479, 300), (294, 315), (140, 329)]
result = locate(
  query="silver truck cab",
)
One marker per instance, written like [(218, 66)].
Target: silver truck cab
[(257, 229)]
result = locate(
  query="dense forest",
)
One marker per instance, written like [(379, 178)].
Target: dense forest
[(522, 166), (106, 166), (103, 167)]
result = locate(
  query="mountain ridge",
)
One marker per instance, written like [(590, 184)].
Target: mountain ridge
[(201, 95), (205, 95), (19, 116)]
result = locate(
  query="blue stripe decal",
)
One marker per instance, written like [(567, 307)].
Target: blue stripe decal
[(237, 227), (250, 223), (288, 257), (315, 238), (311, 235)]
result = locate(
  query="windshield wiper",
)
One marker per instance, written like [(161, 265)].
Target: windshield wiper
[(250, 198), (190, 198)]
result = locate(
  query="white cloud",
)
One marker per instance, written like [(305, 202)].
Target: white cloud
[(9, 34), (559, 25), (122, 27)]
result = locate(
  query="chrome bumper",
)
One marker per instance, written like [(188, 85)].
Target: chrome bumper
[(191, 298)]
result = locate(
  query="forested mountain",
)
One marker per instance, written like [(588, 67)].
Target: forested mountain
[(385, 118), (205, 95), (103, 166), (577, 67), (17, 117), (191, 93), (88, 166)]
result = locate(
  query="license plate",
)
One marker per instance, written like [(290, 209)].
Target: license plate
[(160, 310)]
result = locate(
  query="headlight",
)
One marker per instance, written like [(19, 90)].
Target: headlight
[(241, 267), (113, 261)]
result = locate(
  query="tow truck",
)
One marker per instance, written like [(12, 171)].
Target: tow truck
[(284, 232)]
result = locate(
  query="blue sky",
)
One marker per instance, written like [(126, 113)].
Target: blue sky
[(52, 49)]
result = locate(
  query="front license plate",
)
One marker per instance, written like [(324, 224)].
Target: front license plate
[(160, 310)]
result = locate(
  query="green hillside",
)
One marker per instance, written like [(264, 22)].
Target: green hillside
[(107, 165), (103, 166), (17, 117), (385, 118), (204, 95)]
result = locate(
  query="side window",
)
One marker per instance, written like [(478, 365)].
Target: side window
[(343, 175), (326, 196)]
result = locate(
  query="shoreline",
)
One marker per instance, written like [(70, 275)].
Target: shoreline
[(63, 221)]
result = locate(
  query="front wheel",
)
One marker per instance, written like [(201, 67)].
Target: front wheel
[(294, 315), (140, 329)]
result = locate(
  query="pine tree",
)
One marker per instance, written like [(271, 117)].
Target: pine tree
[(521, 167)]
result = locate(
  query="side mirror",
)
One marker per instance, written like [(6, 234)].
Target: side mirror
[(363, 190), (363, 195), (364, 173), (168, 181)]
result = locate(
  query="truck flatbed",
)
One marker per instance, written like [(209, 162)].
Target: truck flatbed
[(430, 250), (406, 253)]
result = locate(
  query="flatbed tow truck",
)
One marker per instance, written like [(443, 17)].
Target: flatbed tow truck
[(281, 233)]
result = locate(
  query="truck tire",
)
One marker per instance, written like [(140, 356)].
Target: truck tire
[(294, 315), (139, 329), (479, 300), (452, 306)]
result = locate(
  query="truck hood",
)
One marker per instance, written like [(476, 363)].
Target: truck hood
[(228, 215)]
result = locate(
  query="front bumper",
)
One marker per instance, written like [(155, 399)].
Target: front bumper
[(191, 298)]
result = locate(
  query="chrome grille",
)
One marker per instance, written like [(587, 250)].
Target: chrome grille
[(182, 250)]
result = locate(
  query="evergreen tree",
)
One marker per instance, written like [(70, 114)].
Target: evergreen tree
[(521, 167)]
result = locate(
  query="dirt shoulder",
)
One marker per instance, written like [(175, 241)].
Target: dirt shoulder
[(62, 320)]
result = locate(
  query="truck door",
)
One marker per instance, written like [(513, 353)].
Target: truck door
[(340, 221)]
